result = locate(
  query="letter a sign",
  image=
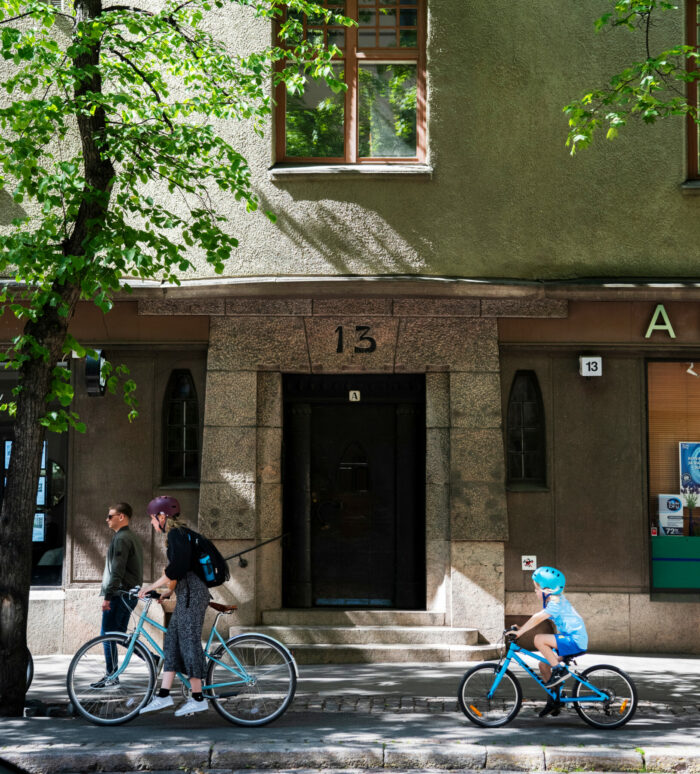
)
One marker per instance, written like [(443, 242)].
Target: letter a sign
[(656, 325)]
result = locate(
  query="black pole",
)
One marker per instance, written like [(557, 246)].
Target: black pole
[(253, 548)]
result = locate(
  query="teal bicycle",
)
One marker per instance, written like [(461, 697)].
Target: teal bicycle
[(250, 680), (490, 695)]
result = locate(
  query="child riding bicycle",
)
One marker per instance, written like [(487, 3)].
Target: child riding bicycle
[(571, 638)]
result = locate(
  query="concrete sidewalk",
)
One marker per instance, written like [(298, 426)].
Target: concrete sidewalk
[(373, 716)]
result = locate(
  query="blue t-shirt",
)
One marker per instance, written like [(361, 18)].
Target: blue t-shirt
[(566, 619)]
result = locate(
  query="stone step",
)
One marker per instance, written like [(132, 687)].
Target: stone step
[(354, 617), (384, 654), (367, 635)]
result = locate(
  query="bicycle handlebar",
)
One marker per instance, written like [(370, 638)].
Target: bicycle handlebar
[(135, 592)]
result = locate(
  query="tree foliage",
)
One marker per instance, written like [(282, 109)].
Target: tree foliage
[(653, 87), (111, 144)]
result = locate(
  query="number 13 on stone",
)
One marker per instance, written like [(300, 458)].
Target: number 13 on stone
[(363, 343)]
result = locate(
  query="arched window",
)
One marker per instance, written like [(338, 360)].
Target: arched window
[(180, 429), (526, 451)]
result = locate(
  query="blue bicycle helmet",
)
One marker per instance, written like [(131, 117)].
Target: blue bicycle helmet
[(549, 578)]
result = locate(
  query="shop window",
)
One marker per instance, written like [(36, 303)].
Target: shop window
[(673, 402), (181, 430), (48, 530), (525, 433), (381, 117)]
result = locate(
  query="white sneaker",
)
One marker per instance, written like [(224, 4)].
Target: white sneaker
[(191, 706), (157, 703)]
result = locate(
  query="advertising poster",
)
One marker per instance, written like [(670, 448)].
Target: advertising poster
[(689, 452), (670, 514), (38, 531)]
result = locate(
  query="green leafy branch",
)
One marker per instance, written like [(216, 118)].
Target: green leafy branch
[(650, 89)]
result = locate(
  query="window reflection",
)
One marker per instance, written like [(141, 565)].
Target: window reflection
[(387, 110)]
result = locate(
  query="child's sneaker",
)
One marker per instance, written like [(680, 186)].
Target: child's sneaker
[(559, 674)]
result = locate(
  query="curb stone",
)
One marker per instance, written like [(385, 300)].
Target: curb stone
[(516, 758), (593, 759), (442, 756), (672, 759), (56, 760), (376, 757), (279, 756)]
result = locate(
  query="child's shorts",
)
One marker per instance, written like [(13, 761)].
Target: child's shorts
[(566, 646)]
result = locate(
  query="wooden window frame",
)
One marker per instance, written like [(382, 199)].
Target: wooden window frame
[(352, 58), (691, 26)]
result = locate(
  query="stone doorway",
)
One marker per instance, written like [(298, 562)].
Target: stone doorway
[(354, 491)]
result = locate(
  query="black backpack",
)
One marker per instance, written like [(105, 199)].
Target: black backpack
[(207, 562)]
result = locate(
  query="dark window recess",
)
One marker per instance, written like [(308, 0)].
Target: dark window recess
[(526, 450), (180, 429), (353, 471), (48, 528)]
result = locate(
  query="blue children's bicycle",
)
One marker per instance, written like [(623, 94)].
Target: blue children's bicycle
[(251, 678), (490, 695)]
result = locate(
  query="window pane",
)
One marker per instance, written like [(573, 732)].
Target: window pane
[(336, 37), (387, 39), (408, 39), (387, 17), (191, 413), (191, 465), (315, 121), (176, 413), (174, 465), (366, 39), (174, 438), (387, 114), (408, 18), (367, 18)]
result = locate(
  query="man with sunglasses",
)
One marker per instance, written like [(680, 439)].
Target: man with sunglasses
[(123, 570)]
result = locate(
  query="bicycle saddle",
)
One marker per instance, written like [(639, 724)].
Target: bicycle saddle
[(223, 608)]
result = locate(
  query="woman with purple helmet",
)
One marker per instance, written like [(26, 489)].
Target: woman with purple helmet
[(183, 640)]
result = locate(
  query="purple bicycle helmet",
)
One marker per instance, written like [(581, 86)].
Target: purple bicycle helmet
[(164, 504)]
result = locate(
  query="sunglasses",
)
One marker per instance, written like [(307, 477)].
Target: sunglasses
[(111, 516)]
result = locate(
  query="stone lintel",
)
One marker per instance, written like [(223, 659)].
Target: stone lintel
[(524, 307), (181, 306)]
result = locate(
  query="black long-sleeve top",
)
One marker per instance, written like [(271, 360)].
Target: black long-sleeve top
[(179, 554)]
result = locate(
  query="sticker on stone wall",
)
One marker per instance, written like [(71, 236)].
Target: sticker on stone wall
[(529, 563)]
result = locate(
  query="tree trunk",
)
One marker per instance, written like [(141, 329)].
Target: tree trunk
[(35, 375), (18, 506)]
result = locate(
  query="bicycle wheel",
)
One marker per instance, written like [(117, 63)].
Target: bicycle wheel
[(503, 705), (266, 688), (30, 668), (114, 702), (622, 697)]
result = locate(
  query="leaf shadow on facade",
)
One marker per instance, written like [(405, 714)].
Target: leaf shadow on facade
[(350, 237), (9, 209)]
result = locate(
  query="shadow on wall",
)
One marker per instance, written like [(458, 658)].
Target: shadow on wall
[(9, 209), (354, 238)]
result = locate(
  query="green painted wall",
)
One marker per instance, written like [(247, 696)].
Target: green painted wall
[(506, 199)]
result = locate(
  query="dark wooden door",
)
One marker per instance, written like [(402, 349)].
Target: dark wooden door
[(354, 493)]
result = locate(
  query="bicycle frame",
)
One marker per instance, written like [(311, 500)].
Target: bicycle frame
[(554, 693), (239, 670)]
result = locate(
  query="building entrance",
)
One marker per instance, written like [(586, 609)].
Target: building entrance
[(354, 492)]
